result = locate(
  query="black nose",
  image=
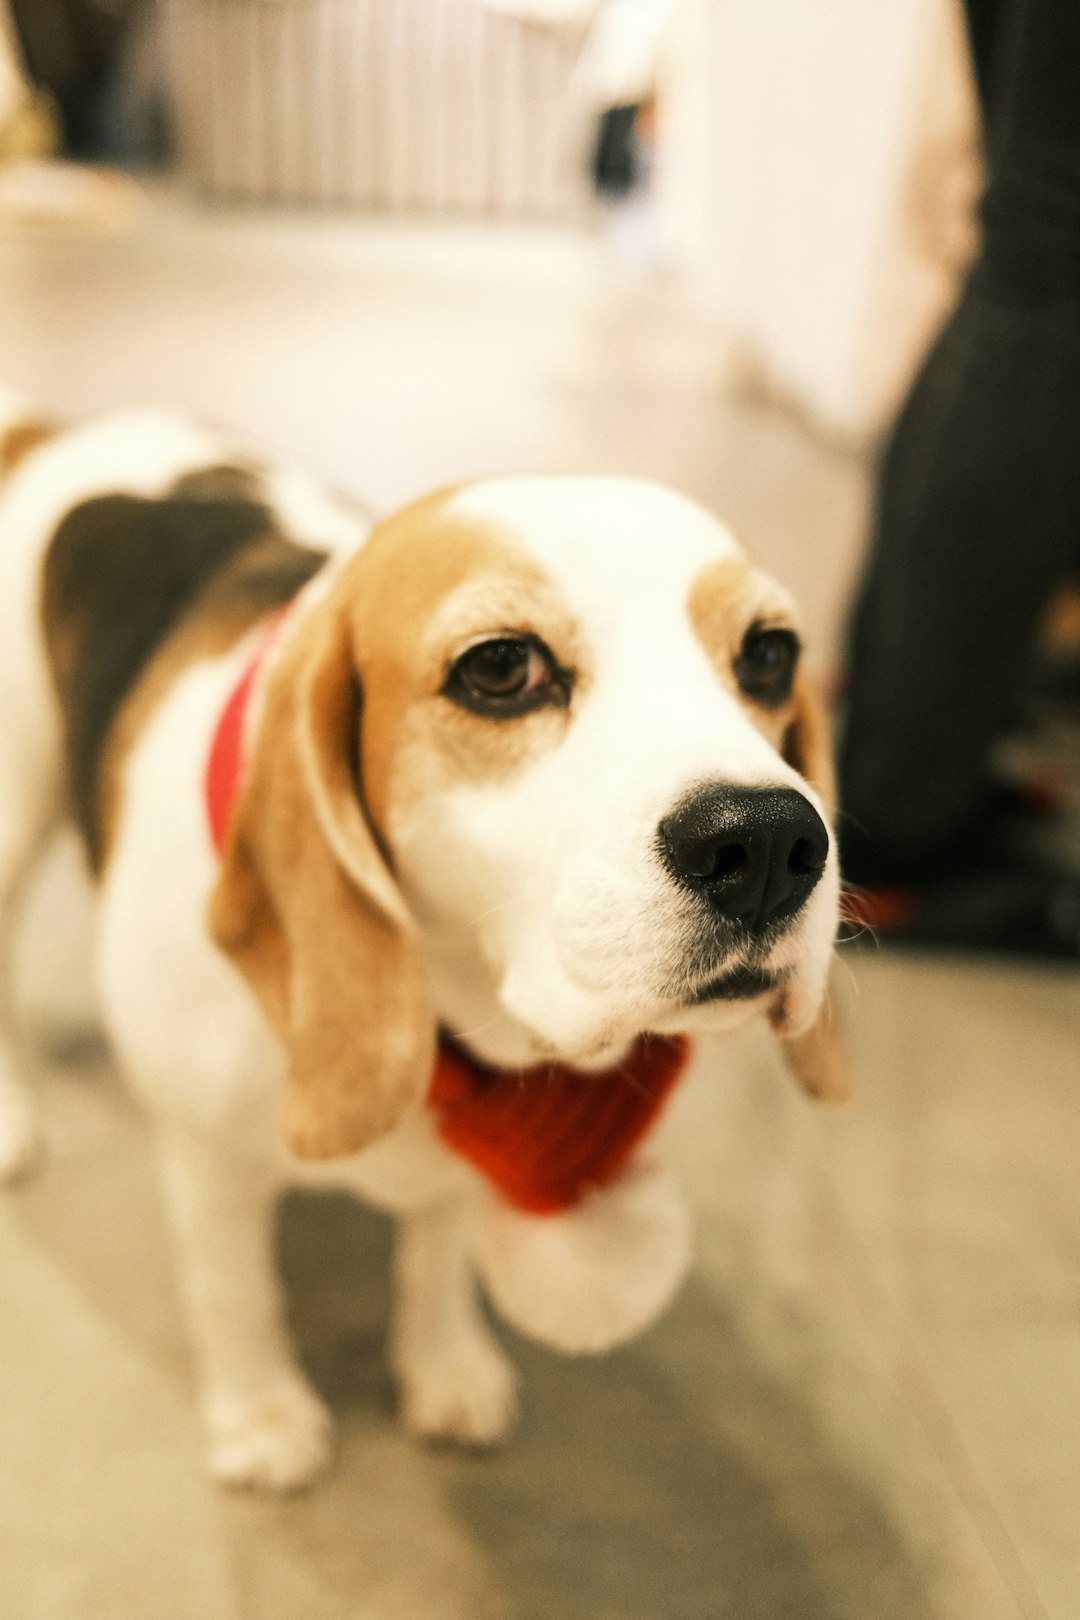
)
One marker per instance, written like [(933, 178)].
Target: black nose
[(753, 853)]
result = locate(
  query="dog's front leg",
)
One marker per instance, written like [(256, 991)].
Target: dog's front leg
[(266, 1427), (455, 1381)]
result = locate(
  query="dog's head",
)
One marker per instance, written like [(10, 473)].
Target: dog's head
[(542, 766)]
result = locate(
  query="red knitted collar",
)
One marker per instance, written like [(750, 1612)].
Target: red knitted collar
[(545, 1136)]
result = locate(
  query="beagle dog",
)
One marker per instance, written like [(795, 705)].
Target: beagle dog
[(422, 850)]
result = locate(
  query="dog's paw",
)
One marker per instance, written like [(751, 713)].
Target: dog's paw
[(468, 1397), (280, 1439), (22, 1150)]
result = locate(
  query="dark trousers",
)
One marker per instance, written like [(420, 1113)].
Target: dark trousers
[(977, 515)]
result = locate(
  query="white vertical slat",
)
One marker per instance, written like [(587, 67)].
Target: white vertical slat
[(199, 96), (235, 91), (350, 146), (490, 83), (327, 111), (439, 104), (219, 127), (263, 40), (395, 177), (421, 122), (274, 111), (248, 93), (495, 93), (346, 69), (509, 117), (294, 97), (360, 90), (563, 185), (311, 95), (530, 119), (375, 116), (476, 130), (413, 109), (455, 121), (434, 59), (226, 126)]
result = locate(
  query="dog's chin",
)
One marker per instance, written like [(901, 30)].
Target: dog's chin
[(743, 982), (727, 999), (553, 1018), (603, 1045)]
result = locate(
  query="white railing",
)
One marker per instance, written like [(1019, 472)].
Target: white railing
[(434, 105)]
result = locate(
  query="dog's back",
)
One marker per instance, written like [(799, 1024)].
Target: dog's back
[(110, 532), (122, 571)]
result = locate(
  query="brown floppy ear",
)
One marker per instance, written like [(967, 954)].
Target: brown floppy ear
[(816, 1058), (306, 907)]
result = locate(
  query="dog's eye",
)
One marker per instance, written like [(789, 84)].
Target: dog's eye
[(507, 676), (765, 667)]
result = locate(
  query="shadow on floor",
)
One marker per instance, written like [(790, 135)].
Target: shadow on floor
[(674, 1480), (618, 1500)]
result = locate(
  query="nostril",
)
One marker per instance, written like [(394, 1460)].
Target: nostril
[(729, 859), (711, 863), (804, 858)]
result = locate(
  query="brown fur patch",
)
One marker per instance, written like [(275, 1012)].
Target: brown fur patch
[(807, 740), (122, 574), (719, 605), (264, 577), (19, 440), (414, 740), (725, 598)]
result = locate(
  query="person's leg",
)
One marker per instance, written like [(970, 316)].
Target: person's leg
[(987, 23), (978, 499)]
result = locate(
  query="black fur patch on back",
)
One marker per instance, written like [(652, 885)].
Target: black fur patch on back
[(121, 573)]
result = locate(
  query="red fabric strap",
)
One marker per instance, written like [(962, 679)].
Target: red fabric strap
[(222, 781), (544, 1137), (225, 761)]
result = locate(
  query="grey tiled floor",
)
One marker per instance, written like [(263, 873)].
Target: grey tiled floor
[(865, 1404)]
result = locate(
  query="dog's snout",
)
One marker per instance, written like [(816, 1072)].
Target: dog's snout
[(754, 854)]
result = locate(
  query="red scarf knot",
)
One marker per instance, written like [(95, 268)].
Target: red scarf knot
[(546, 1137)]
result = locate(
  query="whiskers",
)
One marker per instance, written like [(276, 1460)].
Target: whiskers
[(859, 914)]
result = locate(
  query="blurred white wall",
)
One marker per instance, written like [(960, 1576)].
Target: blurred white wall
[(804, 152)]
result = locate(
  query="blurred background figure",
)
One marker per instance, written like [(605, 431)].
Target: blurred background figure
[(73, 50), (68, 91), (976, 527)]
